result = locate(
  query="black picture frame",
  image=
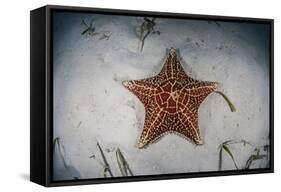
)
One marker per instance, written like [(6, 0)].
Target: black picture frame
[(41, 91)]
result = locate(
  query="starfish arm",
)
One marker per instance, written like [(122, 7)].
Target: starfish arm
[(173, 69), (153, 126), (187, 125), (200, 90), (141, 88)]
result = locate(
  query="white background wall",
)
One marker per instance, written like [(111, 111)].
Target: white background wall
[(14, 99)]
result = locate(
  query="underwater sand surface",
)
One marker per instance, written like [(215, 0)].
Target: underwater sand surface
[(91, 105)]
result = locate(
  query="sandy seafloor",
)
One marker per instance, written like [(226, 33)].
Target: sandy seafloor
[(91, 105)]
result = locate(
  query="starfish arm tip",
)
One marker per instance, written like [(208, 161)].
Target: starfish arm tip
[(141, 145), (216, 84), (173, 51), (126, 83), (199, 142)]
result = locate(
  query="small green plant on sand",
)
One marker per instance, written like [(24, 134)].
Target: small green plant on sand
[(123, 165), (57, 142), (230, 104), (145, 29), (225, 148), (90, 30)]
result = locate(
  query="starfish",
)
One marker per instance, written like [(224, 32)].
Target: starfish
[(171, 100)]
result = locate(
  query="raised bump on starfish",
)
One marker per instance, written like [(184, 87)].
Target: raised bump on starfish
[(171, 100)]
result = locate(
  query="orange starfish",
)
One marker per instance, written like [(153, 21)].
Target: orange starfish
[(171, 100)]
